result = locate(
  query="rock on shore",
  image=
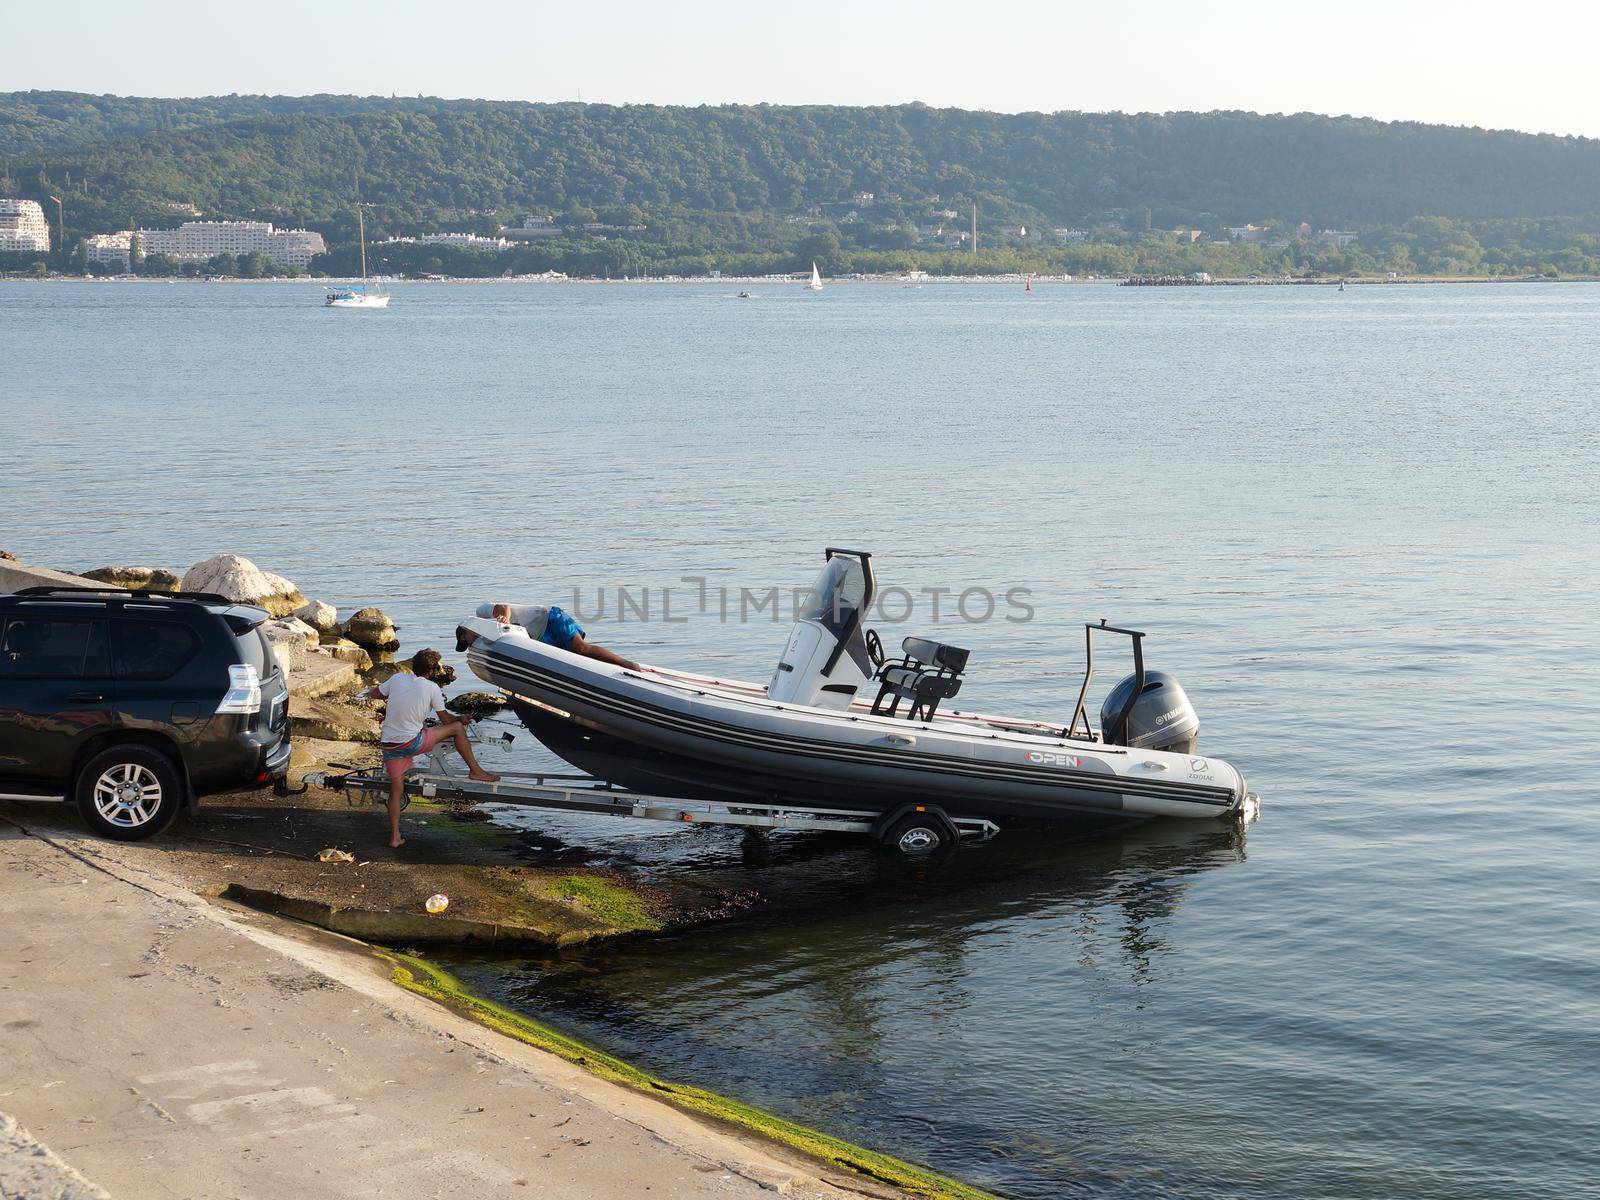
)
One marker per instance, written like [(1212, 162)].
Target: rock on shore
[(239, 579), (324, 618), (347, 651), (476, 704), (341, 718), (291, 639), (149, 579), (373, 630)]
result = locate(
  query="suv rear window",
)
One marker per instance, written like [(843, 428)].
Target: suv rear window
[(50, 648), (150, 650), (253, 650)]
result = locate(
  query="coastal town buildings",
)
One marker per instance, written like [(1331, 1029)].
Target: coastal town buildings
[(199, 241), (542, 225), (23, 226), (466, 241), (108, 249), (547, 226)]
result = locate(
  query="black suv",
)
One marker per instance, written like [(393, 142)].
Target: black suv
[(136, 703)]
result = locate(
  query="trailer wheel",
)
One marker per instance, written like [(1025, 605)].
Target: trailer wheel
[(918, 835)]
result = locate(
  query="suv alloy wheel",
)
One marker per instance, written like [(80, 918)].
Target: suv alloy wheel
[(128, 792)]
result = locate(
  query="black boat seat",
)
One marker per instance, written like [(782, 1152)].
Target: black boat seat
[(929, 672)]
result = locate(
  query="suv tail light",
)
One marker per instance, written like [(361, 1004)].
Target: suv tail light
[(244, 690)]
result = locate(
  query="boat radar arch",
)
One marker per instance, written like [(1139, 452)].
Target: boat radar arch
[(825, 662)]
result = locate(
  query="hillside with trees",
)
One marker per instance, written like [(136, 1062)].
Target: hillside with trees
[(748, 187)]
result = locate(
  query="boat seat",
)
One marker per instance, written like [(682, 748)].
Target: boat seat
[(929, 672)]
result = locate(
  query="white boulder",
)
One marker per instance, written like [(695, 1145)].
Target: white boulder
[(290, 640), (239, 579), (324, 618)]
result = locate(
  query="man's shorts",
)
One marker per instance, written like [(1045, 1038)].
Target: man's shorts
[(397, 760), (560, 629)]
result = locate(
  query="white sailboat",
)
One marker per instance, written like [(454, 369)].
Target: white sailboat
[(362, 296), (816, 280)]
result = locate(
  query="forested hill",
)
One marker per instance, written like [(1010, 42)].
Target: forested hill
[(47, 122), (304, 160)]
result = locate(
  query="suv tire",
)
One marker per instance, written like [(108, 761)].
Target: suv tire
[(128, 792)]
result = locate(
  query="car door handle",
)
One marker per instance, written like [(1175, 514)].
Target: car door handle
[(89, 696)]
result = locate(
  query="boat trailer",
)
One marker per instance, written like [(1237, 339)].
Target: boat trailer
[(909, 828)]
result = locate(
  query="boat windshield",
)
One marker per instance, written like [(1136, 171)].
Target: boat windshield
[(838, 594)]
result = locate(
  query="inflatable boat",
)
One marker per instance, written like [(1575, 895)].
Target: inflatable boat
[(841, 724)]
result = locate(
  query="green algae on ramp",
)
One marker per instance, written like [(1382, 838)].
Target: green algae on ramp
[(488, 902), (433, 982), (606, 900)]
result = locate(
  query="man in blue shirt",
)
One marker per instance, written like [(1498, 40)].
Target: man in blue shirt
[(548, 624)]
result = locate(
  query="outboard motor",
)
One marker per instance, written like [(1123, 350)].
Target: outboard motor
[(1162, 717)]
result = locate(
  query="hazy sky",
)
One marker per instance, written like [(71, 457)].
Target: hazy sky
[(1527, 65)]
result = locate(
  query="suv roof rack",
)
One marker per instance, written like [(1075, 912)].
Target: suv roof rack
[(116, 593)]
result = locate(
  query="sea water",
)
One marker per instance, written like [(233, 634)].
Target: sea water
[(1360, 528)]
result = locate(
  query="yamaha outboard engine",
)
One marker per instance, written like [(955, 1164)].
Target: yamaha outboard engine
[(1162, 717)]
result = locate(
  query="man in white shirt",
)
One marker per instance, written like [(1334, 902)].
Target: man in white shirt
[(412, 700)]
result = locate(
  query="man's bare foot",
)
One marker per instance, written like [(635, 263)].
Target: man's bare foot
[(396, 843), (483, 776)]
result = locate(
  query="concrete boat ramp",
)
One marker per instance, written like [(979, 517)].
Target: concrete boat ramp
[(158, 1043)]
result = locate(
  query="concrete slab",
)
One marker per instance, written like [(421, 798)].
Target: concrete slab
[(321, 675), (29, 1171), (169, 1048)]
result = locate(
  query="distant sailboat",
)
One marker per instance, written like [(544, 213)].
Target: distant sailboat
[(363, 296), (816, 280), (1341, 285)]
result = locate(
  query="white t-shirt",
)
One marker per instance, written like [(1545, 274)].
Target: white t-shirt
[(411, 702), (532, 617)]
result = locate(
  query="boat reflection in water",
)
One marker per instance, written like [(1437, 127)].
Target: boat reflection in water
[(953, 1014)]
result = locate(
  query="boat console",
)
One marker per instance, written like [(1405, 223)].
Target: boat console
[(826, 660)]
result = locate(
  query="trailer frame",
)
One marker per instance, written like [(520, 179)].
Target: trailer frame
[(446, 778)]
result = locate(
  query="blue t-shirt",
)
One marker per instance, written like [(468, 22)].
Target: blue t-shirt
[(560, 628), (550, 625)]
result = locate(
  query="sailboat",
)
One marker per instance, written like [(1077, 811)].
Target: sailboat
[(816, 280), (362, 296)]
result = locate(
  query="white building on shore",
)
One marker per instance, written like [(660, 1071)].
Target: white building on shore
[(23, 227), (197, 241), (108, 249), (200, 241), (467, 241)]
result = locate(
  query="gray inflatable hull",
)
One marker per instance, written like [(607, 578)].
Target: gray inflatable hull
[(674, 736)]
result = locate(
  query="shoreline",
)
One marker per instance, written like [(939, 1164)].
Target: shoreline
[(787, 281), (427, 979)]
